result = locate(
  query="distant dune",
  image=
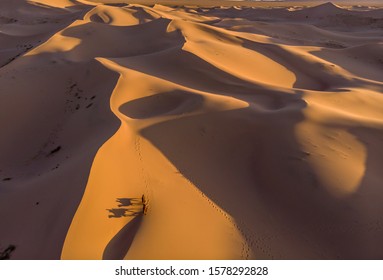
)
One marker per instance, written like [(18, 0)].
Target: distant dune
[(190, 132)]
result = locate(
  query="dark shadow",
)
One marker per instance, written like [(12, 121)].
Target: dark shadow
[(127, 207), (55, 150), (58, 18), (116, 4), (285, 212), (69, 184), (12, 58), (165, 104), (121, 212), (96, 18), (367, 203), (125, 201), (119, 245), (7, 253)]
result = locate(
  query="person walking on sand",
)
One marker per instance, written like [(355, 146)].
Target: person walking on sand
[(144, 207)]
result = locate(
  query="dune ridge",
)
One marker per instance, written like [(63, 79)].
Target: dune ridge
[(252, 133)]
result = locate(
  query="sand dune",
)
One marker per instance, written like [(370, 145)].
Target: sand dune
[(253, 133)]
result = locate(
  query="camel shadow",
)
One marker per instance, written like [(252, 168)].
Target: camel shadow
[(119, 245), (127, 207)]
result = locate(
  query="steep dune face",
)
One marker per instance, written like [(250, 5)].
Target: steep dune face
[(134, 132), (53, 128), (120, 16), (25, 25), (54, 115)]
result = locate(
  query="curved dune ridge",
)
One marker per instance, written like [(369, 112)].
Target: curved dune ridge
[(160, 132)]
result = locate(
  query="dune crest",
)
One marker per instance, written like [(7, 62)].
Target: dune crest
[(164, 132)]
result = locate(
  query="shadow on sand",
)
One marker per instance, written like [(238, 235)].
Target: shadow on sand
[(253, 156), (119, 245), (127, 207)]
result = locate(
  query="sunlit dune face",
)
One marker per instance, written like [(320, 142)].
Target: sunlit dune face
[(54, 3), (337, 151), (337, 158), (57, 44)]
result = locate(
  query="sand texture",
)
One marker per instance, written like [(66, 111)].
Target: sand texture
[(251, 132)]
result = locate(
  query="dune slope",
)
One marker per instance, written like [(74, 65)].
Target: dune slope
[(137, 132)]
